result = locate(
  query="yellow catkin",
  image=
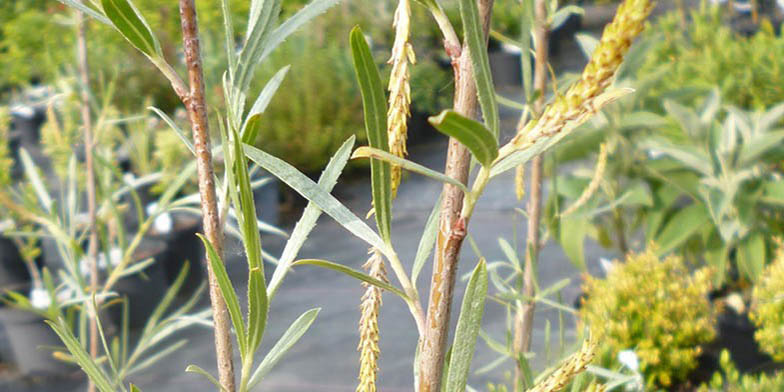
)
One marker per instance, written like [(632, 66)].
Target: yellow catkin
[(368, 324), (569, 368), (520, 182), (588, 192), (399, 88), (580, 101)]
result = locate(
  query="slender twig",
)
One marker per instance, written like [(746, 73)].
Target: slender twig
[(524, 319), (89, 143), (452, 225), (197, 113)]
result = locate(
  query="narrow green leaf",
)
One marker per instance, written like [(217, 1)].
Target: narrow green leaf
[(477, 47), (316, 194), (228, 35), (752, 150), (468, 326), (370, 152), (352, 273), (131, 24), (180, 133), (427, 241), (307, 222), (229, 295), (680, 227), (134, 388), (289, 338), (208, 376), (375, 107), (81, 356), (572, 232), (292, 24), (478, 139), (242, 198), (252, 122), (33, 175), (87, 11), (751, 256), (262, 18), (693, 159)]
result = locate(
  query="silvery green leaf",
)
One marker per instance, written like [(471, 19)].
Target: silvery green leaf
[(284, 344), (327, 181), (127, 19), (478, 139), (370, 152), (467, 330), (427, 241)]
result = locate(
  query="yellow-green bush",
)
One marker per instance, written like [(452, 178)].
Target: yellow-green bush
[(729, 379), (767, 310), (656, 308)]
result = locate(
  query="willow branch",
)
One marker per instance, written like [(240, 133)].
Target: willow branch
[(524, 319), (197, 113), (87, 128), (451, 231)]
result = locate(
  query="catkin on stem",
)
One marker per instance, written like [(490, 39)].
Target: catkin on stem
[(368, 324), (580, 101), (399, 88), (569, 368)]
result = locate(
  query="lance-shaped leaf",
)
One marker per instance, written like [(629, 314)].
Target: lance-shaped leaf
[(312, 212), (680, 227), (468, 326), (81, 356), (291, 336), (472, 134), (229, 295), (375, 107), (131, 24), (86, 10), (207, 375), (317, 195), (370, 152), (352, 273), (477, 50), (252, 122), (427, 241)]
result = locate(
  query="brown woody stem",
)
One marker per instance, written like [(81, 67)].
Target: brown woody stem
[(92, 247), (524, 319), (452, 227), (197, 113)]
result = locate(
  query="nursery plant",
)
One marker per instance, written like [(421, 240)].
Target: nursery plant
[(654, 307), (767, 304), (385, 126)]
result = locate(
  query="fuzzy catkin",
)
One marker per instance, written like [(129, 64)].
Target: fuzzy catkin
[(596, 179), (399, 88), (580, 101), (569, 368), (368, 324)]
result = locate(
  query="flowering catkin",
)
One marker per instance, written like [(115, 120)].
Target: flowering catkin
[(569, 368), (580, 101), (399, 88), (368, 324)]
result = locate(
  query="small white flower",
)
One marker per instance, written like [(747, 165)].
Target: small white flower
[(39, 298), (629, 359)]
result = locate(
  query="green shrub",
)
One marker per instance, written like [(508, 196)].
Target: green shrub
[(767, 311), (6, 161), (654, 307), (707, 53), (730, 380)]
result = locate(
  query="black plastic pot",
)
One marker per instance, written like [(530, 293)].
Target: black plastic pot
[(143, 291), (182, 245), (27, 336), (505, 67), (26, 120), (13, 273)]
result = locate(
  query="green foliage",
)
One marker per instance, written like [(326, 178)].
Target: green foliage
[(299, 123), (707, 53), (6, 161), (654, 307), (729, 379), (767, 311)]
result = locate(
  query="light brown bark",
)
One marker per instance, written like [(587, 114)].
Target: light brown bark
[(197, 113), (524, 319), (451, 231)]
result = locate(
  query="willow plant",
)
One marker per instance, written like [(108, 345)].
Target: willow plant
[(447, 228)]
